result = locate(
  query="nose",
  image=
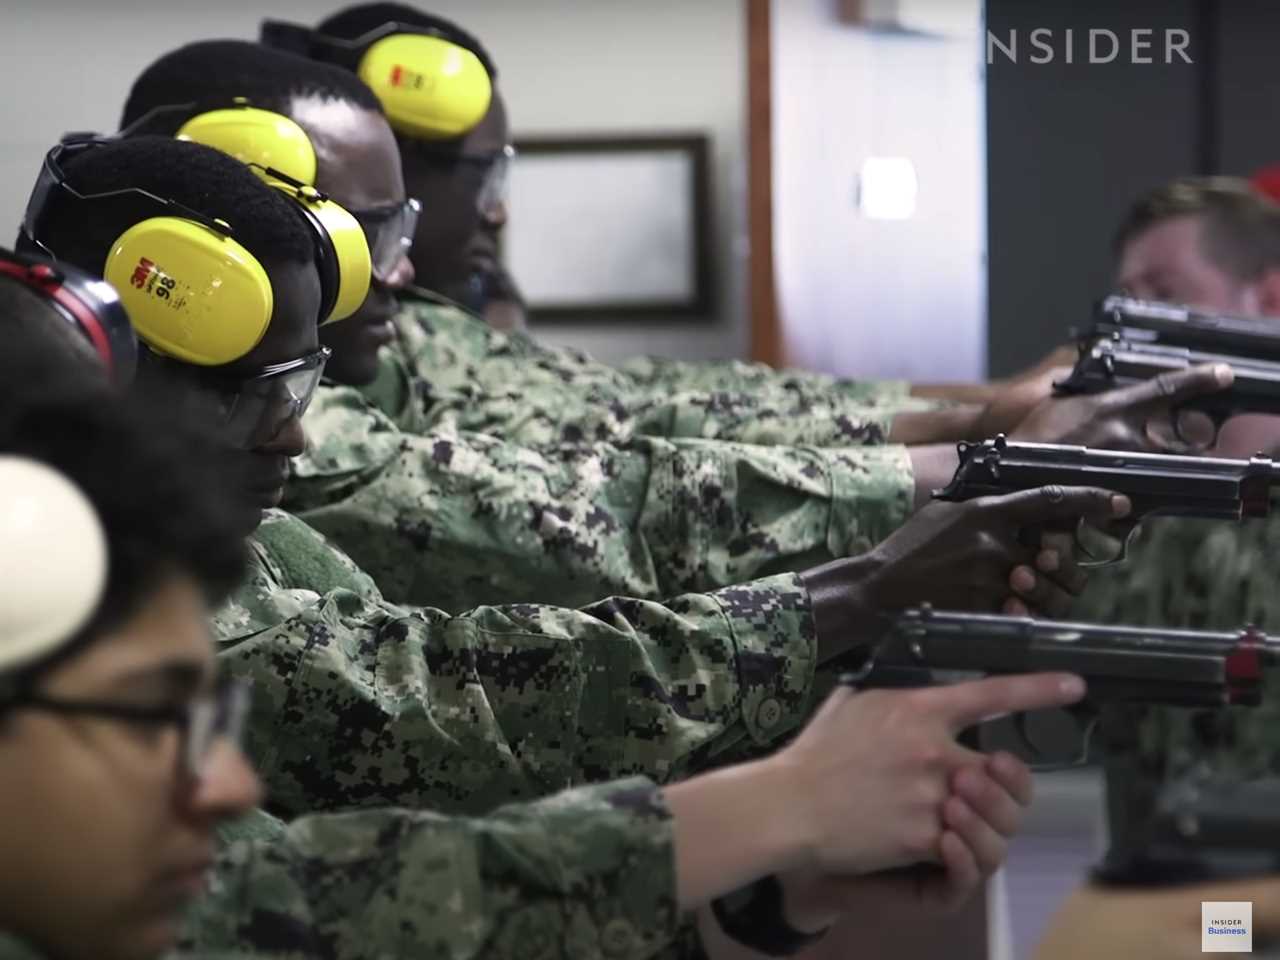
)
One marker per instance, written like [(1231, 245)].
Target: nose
[(401, 275), (229, 787), (290, 441), (495, 215)]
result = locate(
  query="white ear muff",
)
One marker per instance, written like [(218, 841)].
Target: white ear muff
[(53, 560)]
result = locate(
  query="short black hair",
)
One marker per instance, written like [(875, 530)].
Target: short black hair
[(208, 181), (160, 492), (1241, 225), (215, 70), (354, 22)]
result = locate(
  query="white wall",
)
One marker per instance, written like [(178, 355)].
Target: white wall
[(568, 66), (883, 298), (634, 66)]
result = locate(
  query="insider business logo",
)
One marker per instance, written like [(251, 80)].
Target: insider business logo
[(1043, 45), (1226, 926)]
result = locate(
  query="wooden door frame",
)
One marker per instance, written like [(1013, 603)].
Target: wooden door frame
[(766, 332)]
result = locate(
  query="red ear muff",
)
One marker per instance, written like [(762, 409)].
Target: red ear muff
[(90, 305)]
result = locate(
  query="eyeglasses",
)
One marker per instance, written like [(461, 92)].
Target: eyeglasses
[(492, 169), (389, 231), (251, 411), (202, 722)]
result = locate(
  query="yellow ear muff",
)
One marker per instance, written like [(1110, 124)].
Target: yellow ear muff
[(343, 257), (191, 292), (429, 87), (256, 136)]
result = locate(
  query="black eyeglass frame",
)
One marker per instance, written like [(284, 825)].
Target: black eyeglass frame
[(223, 712)]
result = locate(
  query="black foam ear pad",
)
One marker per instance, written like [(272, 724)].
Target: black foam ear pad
[(89, 304)]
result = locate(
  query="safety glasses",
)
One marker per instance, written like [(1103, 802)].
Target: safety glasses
[(492, 171), (250, 412), (389, 231), (497, 180)]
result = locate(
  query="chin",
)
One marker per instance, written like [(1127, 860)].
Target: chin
[(144, 941), (248, 519), (156, 939)]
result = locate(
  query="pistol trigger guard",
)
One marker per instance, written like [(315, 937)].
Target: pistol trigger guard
[(1088, 727), (1081, 547), (1020, 727), (1087, 718), (1094, 563)]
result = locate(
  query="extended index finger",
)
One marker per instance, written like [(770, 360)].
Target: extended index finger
[(961, 705), (1173, 388), (1035, 507)]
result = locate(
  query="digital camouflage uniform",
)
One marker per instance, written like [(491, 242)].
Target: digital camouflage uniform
[(364, 704), (447, 369), (585, 873), (1203, 575), (361, 703), (454, 520)]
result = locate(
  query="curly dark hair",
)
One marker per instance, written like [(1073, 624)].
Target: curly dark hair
[(213, 70), (208, 181)]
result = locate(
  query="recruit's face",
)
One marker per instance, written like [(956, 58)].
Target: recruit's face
[(358, 165), (457, 240), (104, 836), (1167, 262), (261, 448)]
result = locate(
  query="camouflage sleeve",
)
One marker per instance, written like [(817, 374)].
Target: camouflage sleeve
[(364, 703), (587, 873), (661, 373), (453, 520), (549, 415), (447, 370)]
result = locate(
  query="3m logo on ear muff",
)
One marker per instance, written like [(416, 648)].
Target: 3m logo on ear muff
[(153, 281), (402, 76)]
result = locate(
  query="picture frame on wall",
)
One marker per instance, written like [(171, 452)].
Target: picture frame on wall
[(611, 226)]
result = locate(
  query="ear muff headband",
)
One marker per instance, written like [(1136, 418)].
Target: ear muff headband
[(190, 289), (429, 80), (53, 569), (87, 303)]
